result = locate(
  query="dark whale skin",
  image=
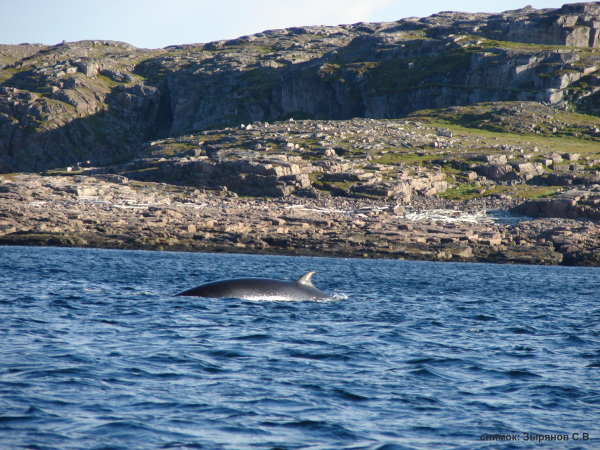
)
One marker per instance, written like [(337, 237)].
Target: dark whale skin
[(260, 289)]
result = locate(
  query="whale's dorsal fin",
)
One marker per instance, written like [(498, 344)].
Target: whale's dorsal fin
[(306, 279)]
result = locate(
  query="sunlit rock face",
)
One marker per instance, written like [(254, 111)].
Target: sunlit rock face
[(97, 101)]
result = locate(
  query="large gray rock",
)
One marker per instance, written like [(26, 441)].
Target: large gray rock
[(528, 170), (497, 172), (493, 159)]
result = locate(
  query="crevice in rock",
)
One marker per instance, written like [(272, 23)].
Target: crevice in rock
[(164, 115)]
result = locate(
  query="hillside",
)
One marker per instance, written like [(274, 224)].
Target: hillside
[(463, 137), (98, 101)]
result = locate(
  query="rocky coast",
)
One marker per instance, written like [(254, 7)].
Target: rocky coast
[(114, 212), (455, 137)]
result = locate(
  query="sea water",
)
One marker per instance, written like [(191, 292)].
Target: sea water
[(96, 352)]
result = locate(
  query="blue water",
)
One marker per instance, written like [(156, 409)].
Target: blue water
[(97, 353)]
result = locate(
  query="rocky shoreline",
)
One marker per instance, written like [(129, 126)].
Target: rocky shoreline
[(114, 212), (454, 137)]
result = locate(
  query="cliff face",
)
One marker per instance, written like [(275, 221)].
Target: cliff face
[(70, 103), (98, 101)]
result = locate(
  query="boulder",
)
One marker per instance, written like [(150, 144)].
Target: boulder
[(528, 170), (497, 172), (493, 159), (571, 156)]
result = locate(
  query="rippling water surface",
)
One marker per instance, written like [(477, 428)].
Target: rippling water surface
[(97, 353)]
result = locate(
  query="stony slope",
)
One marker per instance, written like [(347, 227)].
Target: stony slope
[(429, 153), (98, 101)]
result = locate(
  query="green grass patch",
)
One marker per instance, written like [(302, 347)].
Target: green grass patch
[(62, 173), (326, 185), (106, 80), (7, 74), (469, 122), (466, 191)]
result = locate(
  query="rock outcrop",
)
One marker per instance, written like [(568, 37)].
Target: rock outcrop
[(97, 101), (573, 204), (73, 103), (279, 159)]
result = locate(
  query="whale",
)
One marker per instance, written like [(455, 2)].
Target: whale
[(260, 289)]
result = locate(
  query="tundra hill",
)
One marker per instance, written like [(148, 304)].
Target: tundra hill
[(97, 102)]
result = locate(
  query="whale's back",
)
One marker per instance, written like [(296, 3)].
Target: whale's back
[(259, 289)]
